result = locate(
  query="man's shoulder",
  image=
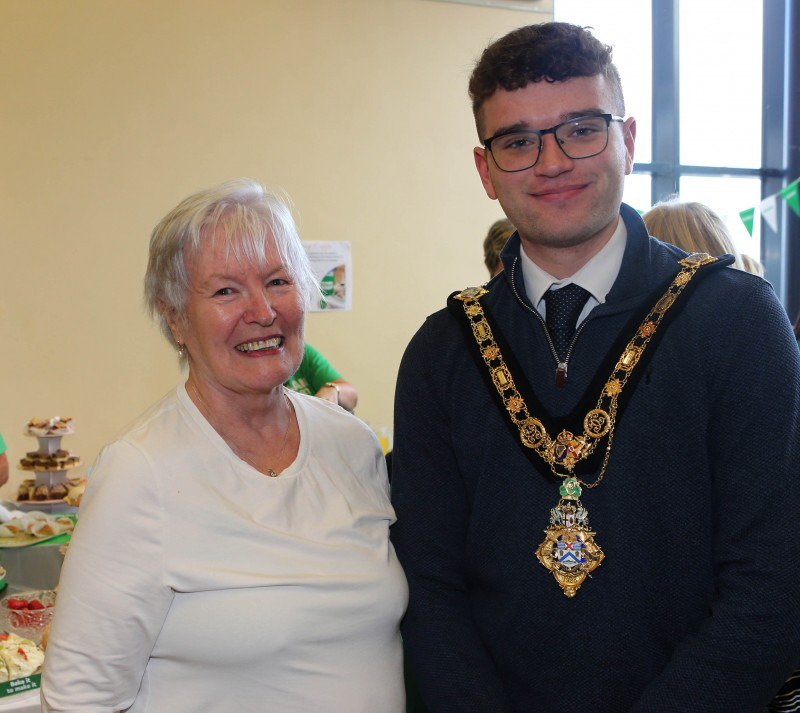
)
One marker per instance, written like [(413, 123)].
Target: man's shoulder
[(490, 293), (441, 333), (731, 293), (440, 322)]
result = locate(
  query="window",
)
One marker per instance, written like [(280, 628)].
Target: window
[(714, 129)]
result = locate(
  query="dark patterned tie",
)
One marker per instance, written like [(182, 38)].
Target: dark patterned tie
[(563, 307)]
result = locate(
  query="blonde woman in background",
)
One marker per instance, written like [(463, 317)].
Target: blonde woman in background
[(692, 226), (493, 244), (752, 265)]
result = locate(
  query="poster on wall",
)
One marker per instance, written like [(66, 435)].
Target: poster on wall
[(332, 265)]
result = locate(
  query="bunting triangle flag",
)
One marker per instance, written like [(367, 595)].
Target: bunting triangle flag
[(748, 216), (769, 212), (768, 208), (790, 195)]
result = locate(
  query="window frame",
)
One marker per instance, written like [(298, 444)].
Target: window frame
[(780, 153)]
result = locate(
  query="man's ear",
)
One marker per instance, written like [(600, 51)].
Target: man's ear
[(482, 164)]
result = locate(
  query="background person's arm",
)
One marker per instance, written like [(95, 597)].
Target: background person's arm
[(320, 374), (339, 392)]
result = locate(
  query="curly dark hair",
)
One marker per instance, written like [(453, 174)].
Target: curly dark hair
[(550, 52)]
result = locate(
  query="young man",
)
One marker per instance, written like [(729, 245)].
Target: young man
[(601, 520)]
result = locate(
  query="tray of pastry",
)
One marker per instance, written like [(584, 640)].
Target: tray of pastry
[(32, 528)]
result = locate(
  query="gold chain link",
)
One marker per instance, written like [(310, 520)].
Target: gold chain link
[(568, 449)]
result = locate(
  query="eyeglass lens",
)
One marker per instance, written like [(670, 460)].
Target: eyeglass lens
[(579, 138)]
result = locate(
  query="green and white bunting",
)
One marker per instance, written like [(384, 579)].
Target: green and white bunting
[(768, 208), (789, 194)]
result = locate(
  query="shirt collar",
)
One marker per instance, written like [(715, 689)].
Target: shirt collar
[(596, 276)]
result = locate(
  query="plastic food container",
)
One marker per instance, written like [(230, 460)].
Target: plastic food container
[(20, 613)]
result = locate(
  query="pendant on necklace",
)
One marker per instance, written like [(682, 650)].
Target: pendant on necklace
[(569, 550)]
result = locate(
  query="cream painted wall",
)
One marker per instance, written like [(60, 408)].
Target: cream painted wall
[(115, 111)]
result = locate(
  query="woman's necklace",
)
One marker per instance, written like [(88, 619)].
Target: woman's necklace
[(270, 472)]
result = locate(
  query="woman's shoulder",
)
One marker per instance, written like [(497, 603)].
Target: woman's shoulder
[(342, 447), (321, 410), (331, 424), (151, 421), (163, 430)]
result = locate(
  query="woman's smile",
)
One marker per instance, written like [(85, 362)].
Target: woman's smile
[(259, 345)]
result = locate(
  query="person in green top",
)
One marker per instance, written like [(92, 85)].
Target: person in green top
[(316, 377), (3, 462)]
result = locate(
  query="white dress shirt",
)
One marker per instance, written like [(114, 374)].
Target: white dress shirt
[(596, 276)]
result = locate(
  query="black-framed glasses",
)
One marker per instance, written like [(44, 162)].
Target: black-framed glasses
[(582, 137)]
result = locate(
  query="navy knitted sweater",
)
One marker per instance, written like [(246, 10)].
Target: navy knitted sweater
[(696, 606)]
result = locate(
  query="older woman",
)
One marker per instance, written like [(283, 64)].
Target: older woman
[(232, 551)]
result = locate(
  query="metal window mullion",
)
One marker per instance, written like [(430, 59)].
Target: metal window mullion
[(666, 99), (773, 131), (791, 222)]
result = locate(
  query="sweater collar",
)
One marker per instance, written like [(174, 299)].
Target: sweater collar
[(635, 274)]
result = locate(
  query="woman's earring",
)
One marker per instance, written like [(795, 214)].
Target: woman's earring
[(181, 351)]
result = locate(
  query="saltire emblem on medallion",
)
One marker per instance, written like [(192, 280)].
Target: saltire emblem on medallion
[(569, 550)]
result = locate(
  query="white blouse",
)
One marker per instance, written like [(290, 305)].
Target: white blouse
[(195, 583)]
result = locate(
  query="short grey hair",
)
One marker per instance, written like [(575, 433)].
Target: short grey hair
[(247, 213)]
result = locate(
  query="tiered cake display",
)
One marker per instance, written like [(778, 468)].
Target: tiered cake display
[(48, 489)]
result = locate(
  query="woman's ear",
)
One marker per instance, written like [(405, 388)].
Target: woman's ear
[(173, 322)]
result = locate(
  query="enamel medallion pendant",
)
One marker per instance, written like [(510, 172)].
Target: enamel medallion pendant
[(569, 550)]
